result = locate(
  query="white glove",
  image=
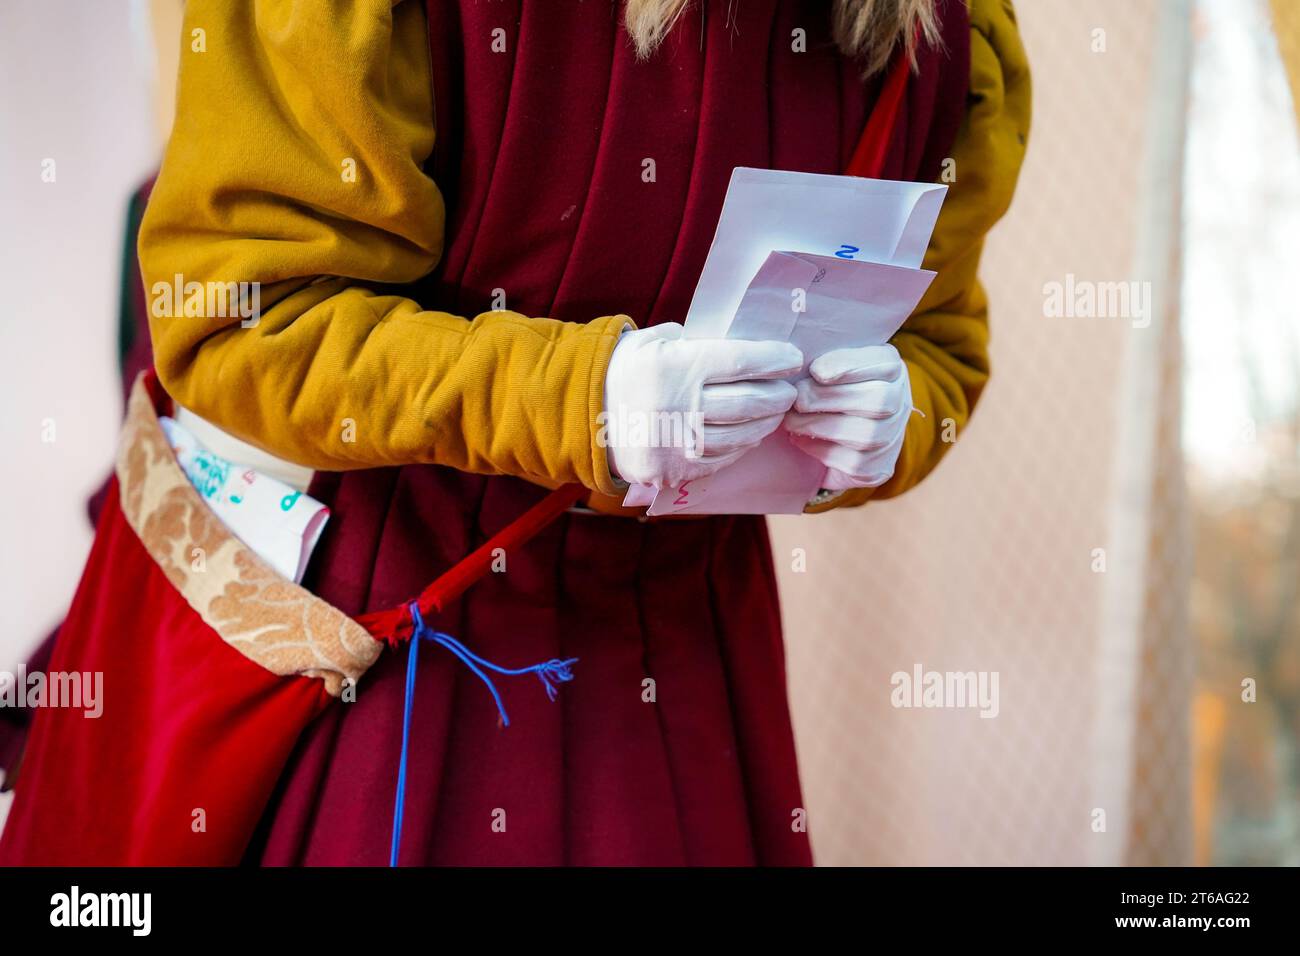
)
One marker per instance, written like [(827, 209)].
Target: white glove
[(678, 409), (852, 414)]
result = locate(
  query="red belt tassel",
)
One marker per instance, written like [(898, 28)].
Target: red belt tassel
[(394, 625)]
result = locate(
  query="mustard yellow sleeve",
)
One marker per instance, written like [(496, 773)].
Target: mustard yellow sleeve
[(1286, 27), (945, 342), (295, 163)]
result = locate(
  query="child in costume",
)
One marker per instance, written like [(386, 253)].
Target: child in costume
[(474, 227)]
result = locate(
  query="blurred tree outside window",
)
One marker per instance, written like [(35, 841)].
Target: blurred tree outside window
[(1241, 432)]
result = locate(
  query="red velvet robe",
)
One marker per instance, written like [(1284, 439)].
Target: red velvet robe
[(673, 745), (541, 152)]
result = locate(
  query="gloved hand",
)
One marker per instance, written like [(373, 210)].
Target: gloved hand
[(678, 408), (852, 414)]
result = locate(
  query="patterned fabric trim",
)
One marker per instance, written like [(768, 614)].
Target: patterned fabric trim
[(267, 618)]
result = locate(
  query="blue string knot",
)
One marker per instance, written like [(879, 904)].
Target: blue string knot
[(550, 673)]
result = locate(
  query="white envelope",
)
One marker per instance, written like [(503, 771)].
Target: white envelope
[(846, 219), (846, 304), (873, 220)]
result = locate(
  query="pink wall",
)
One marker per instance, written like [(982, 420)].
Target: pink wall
[(74, 87)]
